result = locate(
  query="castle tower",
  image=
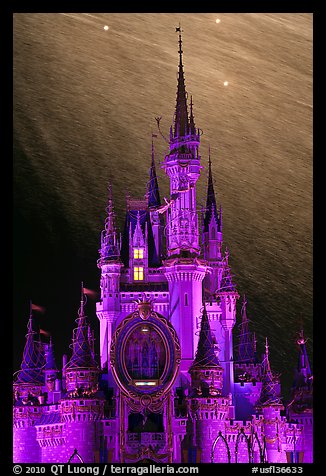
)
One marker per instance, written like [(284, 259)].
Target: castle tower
[(183, 269), (27, 395), (212, 237), (300, 408), (82, 407), (207, 408), (247, 369), (51, 373), (108, 308), (270, 406), (227, 296)]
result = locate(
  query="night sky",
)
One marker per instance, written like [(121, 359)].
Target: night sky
[(85, 101)]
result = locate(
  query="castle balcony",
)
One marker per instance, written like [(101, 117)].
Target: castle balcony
[(26, 416), (50, 430), (81, 410), (293, 437), (146, 439)]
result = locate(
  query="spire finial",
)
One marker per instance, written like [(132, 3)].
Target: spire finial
[(266, 347), (30, 320), (109, 222), (153, 150), (244, 307), (178, 29), (181, 120), (82, 301)]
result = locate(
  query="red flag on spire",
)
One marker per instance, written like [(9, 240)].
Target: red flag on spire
[(35, 307), (46, 333), (90, 293)]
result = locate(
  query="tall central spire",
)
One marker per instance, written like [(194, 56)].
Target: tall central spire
[(181, 122)]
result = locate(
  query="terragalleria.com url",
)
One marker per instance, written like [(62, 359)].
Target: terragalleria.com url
[(57, 469)]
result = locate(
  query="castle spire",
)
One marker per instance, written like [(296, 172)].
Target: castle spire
[(153, 190), (303, 360), (82, 356), (205, 355), (303, 376), (181, 125), (50, 363), (192, 127), (227, 284), (246, 352), (211, 210), (32, 365), (206, 371), (110, 246), (270, 383), (302, 388)]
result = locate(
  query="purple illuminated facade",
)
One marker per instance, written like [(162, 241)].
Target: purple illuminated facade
[(171, 384)]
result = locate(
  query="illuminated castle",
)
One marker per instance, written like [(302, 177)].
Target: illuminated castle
[(169, 385)]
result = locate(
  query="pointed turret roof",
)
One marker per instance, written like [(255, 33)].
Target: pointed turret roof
[(246, 350), (303, 367), (270, 382), (227, 284), (205, 355), (211, 209), (50, 363), (32, 366), (153, 190), (302, 388), (110, 247), (82, 355), (181, 124)]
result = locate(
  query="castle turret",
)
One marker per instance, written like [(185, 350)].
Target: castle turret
[(300, 408), (27, 395), (82, 407), (81, 370), (182, 165), (51, 373), (207, 408), (183, 269), (247, 369), (212, 233), (108, 308), (227, 296), (270, 405)]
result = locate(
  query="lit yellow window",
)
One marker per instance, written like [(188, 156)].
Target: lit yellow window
[(138, 273), (138, 253)]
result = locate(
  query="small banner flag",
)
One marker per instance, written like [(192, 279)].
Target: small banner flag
[(90, 293), (35, 307), (45, 333)]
